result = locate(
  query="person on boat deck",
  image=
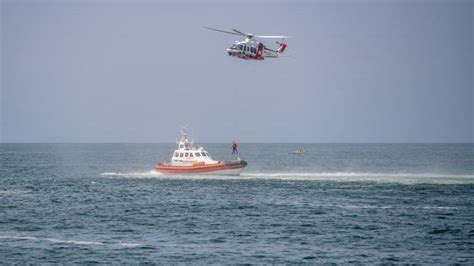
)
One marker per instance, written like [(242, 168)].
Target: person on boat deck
[(234, 147)]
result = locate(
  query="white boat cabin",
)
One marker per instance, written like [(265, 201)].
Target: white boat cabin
[(188, 155)]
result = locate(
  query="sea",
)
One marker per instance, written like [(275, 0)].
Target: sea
[(337, 203)]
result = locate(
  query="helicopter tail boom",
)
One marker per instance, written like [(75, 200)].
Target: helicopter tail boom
[(282, 47)]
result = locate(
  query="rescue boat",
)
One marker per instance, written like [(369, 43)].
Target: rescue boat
[(187, 159)]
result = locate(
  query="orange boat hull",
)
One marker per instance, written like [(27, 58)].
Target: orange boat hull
[(221, 168)]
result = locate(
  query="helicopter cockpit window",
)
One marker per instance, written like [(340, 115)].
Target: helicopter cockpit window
[(240, 47)]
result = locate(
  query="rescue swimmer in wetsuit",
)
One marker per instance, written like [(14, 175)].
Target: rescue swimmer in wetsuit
[(234, 147)]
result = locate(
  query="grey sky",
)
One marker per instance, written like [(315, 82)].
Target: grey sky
[(357, 71)]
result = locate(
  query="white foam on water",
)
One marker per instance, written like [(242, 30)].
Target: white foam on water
[(130, 245), (406, 178), (361, 207), (149, 174), (54, 240), (65, 241), (14, 192), (358, 174), (436, 208), (391, 207)]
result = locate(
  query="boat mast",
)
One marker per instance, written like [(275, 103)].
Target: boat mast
[(184, 142)]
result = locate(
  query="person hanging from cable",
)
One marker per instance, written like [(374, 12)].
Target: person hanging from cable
[(234, 147)]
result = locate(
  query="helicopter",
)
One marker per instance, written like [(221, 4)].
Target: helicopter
[(250, 48)]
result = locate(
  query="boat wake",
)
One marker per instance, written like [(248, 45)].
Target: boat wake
[(149, 174), (406, 178)]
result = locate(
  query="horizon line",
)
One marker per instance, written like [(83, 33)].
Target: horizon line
[(243, 142)]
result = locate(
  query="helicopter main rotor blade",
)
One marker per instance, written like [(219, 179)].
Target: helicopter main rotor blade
[(239, 32), (228, 32), (248, 35), (272, 36)]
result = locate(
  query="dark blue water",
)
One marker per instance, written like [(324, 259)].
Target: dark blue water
[(338, 203)]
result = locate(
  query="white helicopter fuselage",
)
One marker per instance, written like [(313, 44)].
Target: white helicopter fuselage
[(251, 49)]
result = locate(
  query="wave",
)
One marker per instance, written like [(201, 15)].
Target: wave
[(63, 241), (434, 178)]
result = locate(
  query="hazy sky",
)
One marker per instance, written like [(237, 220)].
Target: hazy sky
[(133, 71)]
